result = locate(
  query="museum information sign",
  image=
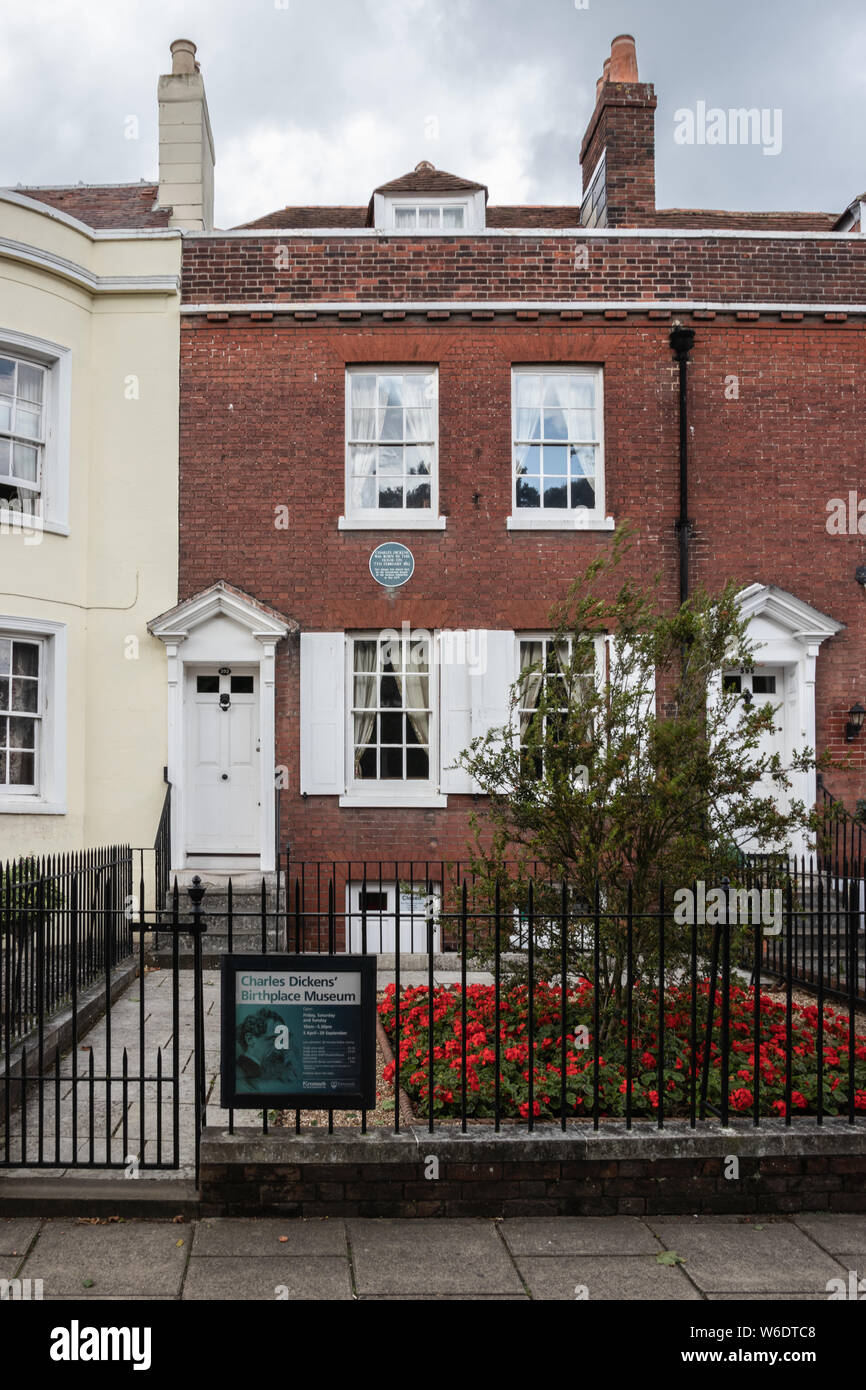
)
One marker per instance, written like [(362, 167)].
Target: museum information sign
[(298, 1032)]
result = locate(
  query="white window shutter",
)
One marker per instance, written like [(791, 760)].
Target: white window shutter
[(455, 721), (648, 694), (323, 713), (491, 679)]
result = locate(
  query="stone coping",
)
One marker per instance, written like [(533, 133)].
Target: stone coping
[(249, 1147)]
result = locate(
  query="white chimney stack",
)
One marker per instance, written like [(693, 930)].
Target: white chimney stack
[(186, 157)]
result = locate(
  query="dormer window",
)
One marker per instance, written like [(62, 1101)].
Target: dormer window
[(429, 201), (432, 216)]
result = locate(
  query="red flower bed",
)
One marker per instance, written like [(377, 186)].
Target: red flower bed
[(679, 1064)]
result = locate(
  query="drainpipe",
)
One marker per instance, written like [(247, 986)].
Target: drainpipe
[(682, 340)]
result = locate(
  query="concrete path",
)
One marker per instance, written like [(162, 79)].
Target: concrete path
[(565, 1258)]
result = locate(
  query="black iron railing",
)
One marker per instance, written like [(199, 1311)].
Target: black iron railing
[(845, 847), (62, 919), (626, 1014), (100, 1086), (162, 856)]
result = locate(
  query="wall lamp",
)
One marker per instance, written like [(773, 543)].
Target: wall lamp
[(856, 716)]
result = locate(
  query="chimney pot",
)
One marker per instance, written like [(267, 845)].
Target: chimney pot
[(623, 60), (604, 78), (183, 62)]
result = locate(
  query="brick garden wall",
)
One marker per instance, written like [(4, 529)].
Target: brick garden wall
[(520, 1176)]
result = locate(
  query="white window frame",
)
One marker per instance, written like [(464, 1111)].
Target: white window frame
[(49, 796), (566, 518), (413, 915), (599, 175), (52, 509), (391, 519), (384, 794), (599, 643), (385, 207)]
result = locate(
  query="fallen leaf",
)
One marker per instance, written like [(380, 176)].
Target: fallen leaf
[(669, 1257), (87, 1283), (283, 1240), (178, 1242)]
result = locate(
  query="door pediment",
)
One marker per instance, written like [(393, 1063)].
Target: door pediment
[(774, 613), (223, 603)]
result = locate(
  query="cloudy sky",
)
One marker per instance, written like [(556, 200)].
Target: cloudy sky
[(320, 100)]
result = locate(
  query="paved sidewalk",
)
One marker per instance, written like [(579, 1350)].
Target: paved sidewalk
[(599, 1258)]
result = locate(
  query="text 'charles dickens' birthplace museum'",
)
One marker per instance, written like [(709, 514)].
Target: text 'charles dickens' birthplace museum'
[(425, 415)]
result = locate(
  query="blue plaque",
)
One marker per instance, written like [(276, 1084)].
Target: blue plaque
[(392, 564)]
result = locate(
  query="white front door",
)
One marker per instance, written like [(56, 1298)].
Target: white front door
[(222, 765), (767, 685), (377, 902)]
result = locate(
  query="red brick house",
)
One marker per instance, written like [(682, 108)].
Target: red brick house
[(495, 389)]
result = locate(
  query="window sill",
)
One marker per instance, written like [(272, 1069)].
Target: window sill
[(561, 523), (13, 523), (430, 800), (400, 521), (30, 806)]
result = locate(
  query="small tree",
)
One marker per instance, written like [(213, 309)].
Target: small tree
[(628, 763)]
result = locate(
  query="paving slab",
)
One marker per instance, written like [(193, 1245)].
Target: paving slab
[(16, 1233), (443, 1298), (261, 1277), (458, 1256), (839, 1234), (88, 1296), (120, 1258), (579, 1235), (222, 1236), (723, 1257), (766, 1297), (605, 1277)]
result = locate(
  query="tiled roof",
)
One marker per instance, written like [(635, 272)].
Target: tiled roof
[(289, 218), (745, 221), (426, 179), (561, 215), (106, 205), (534, 215)]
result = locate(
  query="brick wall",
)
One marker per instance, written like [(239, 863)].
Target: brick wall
[(711, 269), (262, 426), (623, 124), (539, 1178)]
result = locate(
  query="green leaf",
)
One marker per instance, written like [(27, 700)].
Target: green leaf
[(669, 1257), (87, 1283)]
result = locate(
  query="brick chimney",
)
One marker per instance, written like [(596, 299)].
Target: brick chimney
[(623, 129), (186, 157)]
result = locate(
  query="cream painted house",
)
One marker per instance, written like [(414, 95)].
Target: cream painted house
[(89, 366), (89, 335)]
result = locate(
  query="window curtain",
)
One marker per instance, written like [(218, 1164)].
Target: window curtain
[(366, 697), (417, 415), (414, 688), (363, 427), (532, 674)]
